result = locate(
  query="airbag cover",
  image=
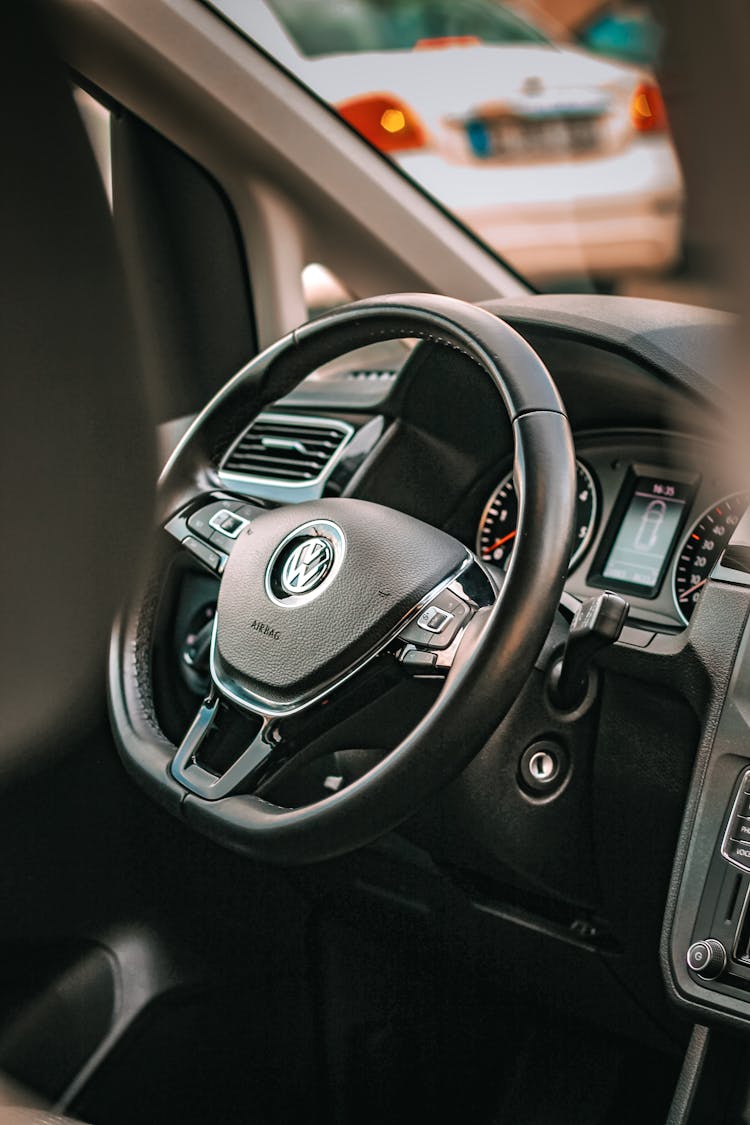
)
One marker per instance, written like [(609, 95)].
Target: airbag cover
[(279, 648)]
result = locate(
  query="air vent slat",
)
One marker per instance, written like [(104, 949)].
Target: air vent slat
[(297, 431), (265, 452), (265, 460), (284, 449), (306, 445)]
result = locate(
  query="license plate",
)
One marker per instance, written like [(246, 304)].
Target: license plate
[(508, 137)]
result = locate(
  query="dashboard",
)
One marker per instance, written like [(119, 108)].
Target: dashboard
[(653, 512)]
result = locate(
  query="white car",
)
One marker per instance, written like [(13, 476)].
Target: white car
[(559, 160)]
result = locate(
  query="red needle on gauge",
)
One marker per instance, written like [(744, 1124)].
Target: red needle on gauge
[(692, 589), (498, 543)]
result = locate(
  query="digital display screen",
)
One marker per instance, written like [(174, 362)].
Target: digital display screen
[(645, 538)]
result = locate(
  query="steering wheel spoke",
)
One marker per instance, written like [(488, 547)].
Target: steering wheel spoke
[(222, 749), (237, 749)]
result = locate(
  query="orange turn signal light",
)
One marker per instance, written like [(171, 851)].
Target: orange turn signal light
[(647, 110), (385, 121), (441, 41)]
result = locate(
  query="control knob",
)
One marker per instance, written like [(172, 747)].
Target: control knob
[(708, 958)]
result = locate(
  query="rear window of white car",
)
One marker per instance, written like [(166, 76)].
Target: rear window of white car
[(331, 27)]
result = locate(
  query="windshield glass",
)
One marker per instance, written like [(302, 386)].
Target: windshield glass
[(540, 125), (322, 27)]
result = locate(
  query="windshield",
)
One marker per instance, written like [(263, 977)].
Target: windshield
[(544, 133), (330, 27)]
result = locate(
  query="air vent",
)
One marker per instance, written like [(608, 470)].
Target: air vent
[(287, 449)]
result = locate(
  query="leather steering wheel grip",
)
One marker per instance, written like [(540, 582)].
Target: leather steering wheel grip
[(482, 687)]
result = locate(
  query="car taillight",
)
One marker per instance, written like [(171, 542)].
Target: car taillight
[(447, 41), (385, 121), (647, 110)]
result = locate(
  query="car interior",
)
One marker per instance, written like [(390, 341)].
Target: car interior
[(376, 692)]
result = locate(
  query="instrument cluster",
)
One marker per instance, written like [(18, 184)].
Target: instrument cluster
[(650, 523)]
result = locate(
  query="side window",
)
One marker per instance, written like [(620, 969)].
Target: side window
[(184, 257)]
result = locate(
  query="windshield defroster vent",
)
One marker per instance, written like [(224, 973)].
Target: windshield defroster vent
[(287, 449)]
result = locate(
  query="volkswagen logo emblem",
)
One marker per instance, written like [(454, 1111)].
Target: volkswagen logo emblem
[(307, 566), (305, 562)]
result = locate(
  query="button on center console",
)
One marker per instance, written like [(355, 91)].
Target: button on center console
[(736, 842)]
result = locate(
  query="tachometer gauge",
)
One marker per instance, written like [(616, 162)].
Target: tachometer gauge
[(701, 549), (497, 527)]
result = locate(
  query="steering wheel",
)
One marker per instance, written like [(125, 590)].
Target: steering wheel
[(321, 603)]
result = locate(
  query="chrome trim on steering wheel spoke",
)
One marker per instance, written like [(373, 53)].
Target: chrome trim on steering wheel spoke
[(185, 769)]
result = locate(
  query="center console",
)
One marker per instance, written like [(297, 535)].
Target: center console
[(706, 936), (706, 940)]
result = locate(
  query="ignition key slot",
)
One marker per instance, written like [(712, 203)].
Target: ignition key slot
[(543, 767)]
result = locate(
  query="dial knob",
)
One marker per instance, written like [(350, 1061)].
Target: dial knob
[(708, 959)]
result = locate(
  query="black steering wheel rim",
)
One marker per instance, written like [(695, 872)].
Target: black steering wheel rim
[(507, 638)]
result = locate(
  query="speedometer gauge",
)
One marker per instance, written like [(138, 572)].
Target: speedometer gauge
[(702, 547), (497, 528)]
